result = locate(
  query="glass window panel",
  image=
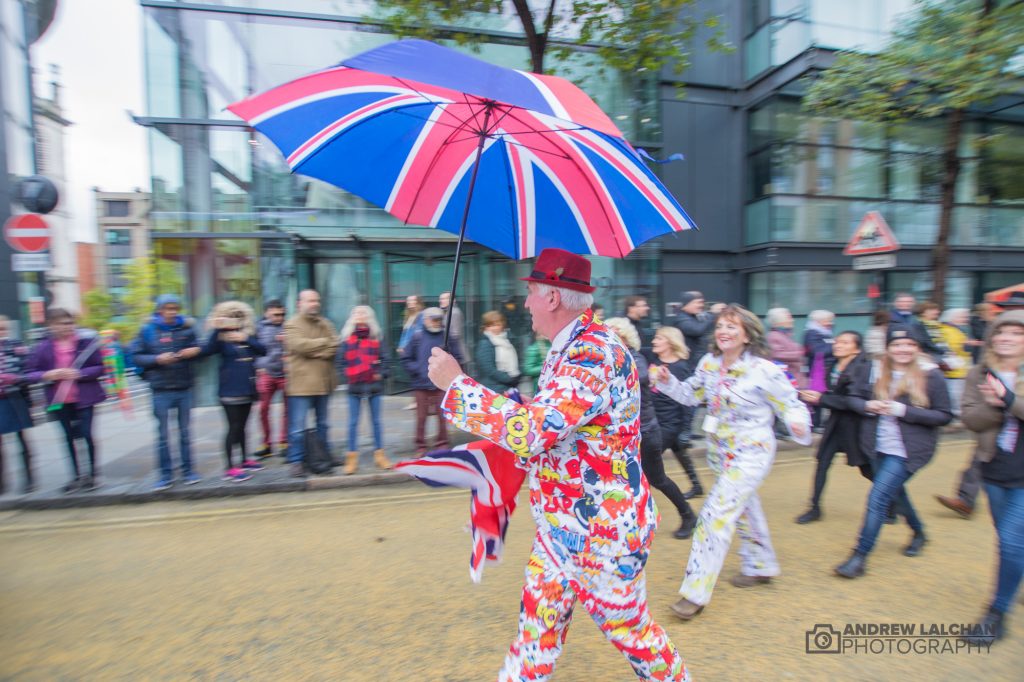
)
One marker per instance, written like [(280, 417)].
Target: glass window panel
[(991, 281), (162, 79), (1001, 181), (167, 174), (761, 126), (959, 286), (1009, 143), (918, 136), (757, 53), (758, 217), (915, 176), (967, 188), (1007, 227), (801, 291)]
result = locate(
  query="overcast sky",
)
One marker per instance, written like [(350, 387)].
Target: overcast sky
[(100, 60)]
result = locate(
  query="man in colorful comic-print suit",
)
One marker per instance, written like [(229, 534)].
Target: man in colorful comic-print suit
[(579, 441)]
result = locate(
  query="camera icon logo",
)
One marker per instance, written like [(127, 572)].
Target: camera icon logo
[(823, 639)]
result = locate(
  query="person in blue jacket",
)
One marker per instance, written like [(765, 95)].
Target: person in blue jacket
[(164, 351), (232, 336)]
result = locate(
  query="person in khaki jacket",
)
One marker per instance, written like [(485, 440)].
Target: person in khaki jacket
[(310, 344), (993, 408)]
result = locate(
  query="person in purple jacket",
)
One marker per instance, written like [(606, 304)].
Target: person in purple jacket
[(70, 364)]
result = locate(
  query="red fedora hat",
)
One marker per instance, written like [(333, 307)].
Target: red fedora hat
[(559, 268)]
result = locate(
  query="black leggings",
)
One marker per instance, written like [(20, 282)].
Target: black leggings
[(654, 470), (77, 423), (826, 453), (26, 459), (237, 416)]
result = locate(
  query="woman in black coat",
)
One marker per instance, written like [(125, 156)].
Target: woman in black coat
[(903, 407), (496, 357), (670, 351), (651, 445), (842, 430)]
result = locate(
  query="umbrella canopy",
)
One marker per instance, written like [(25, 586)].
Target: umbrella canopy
[(439, 138)]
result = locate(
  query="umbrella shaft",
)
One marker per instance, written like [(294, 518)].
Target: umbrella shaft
[(462, 229)]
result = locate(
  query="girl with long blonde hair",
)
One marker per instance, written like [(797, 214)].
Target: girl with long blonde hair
[(903, 409)]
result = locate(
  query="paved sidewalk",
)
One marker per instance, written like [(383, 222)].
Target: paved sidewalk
[(127, 453)]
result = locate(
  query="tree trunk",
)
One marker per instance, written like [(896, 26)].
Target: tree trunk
[(537, 42), (951, 168)]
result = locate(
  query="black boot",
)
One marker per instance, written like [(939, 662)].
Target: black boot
[(686, 529), (852, 567), (681, 453), (809, 516), (30, 479), (988, 630), (916, 544)]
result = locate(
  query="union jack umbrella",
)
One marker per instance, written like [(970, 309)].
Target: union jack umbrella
[(514, 161)]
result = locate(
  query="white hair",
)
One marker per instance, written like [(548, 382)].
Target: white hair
[(821, 316), (371, 322), (571, 299), (626, 331), (950, 313), (776, 315)]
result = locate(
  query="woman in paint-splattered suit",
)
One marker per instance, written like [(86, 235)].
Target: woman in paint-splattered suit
[(744, 392)]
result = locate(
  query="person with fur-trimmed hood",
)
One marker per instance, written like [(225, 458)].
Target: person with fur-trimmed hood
[(165, 350), (232, 327)]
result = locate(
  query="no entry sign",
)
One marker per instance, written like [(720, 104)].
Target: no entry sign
[(27, 233)]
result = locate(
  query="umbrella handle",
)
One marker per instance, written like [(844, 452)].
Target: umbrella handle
[(462, 229)]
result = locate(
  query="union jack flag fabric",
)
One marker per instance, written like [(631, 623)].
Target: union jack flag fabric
[(489, 471), (399, 125)]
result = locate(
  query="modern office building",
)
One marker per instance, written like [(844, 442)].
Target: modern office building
[(777, 192)]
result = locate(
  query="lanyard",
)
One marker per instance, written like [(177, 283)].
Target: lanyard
[(716, 402)]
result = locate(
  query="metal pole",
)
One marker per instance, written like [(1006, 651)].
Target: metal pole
[(462, 229)]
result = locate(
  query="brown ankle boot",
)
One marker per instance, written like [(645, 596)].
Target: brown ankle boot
[(381, 459), (351, 462)]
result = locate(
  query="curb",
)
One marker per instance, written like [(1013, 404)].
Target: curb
[(101, 499), (311, 483)]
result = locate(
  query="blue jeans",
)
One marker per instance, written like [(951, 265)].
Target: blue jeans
[(163, 402), (890, 475), (1007, 506), (298, 407), (354, 404)]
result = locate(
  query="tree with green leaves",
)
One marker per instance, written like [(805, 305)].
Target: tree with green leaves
[(631, 36), (146, 278), (946, 59), (100, 308)]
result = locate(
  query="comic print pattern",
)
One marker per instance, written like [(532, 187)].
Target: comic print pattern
[(578, 439), (612, 590)]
